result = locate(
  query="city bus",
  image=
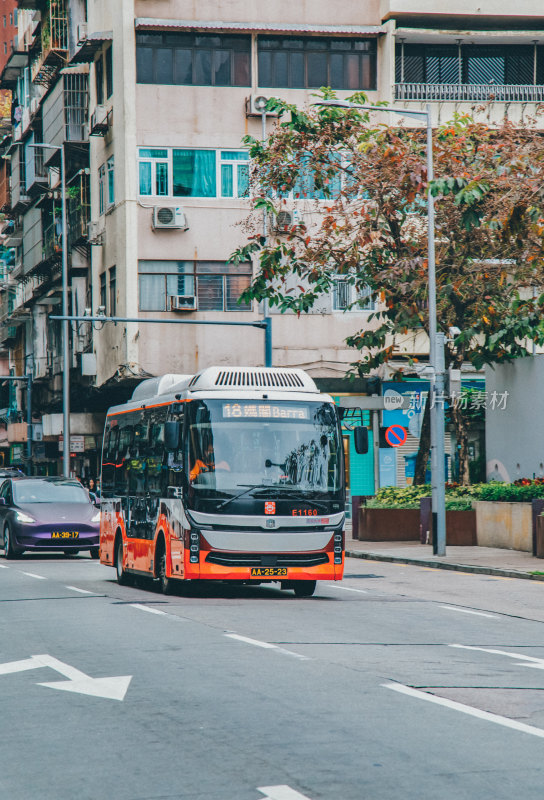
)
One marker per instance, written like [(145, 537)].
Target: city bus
[(234, 474)]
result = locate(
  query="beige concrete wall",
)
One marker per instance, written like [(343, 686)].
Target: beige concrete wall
[(507, 525), (313, 12), (484, 8)]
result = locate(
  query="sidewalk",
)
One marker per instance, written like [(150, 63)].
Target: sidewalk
[(485, 560)]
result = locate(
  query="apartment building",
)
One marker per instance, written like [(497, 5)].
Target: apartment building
[(150, 100)]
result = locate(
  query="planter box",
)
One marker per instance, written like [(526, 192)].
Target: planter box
[(460, 525), (539, 544), (388, 524), (507, 525)]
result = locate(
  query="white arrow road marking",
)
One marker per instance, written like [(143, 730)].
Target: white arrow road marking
[(75, 589), (267, 645), (473, 712), (468, 611), (32, 575), (536, 663), (113, 688), (281, 793)]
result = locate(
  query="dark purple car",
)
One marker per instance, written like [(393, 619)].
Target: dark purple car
[(47, 514)]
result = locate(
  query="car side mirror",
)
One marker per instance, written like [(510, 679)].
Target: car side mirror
[(172, 432), (360, 436)]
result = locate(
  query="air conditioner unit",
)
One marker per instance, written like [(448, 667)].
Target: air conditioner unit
[(81, 32), (100, 121), (95, 232), (255, 104), (183, 302), (34, 105), (169, 217), (286, 220)]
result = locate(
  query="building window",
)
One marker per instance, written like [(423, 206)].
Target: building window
[(109, 71), (99, 80), (111, 182), (469, 64), (102, 189), (193, 173), (206, 285), (193, 59), (102, 298), (113, 292), (347, 297), (311, 62)]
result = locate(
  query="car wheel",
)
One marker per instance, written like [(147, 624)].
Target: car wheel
[(166, 584), (9, 550), (304, 588), (123, 579), (95, 552)]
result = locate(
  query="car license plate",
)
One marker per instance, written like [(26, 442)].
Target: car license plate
[(65, 535), (268, 572)]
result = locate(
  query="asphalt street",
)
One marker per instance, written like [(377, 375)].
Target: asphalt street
[(399, 682)]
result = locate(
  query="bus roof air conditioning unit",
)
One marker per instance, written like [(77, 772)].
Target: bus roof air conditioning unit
[(183, 302), (165, 217), (286, 220)]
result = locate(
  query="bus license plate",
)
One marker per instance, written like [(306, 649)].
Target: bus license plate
[(65, 535), (268, 572)]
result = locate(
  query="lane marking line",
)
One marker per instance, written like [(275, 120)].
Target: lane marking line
[(75, 589), (473, 712), (282, 792), (266, 645), (150, 610), (346, 588), (517, 656), (468, 611), (32, 575), (4, 566)]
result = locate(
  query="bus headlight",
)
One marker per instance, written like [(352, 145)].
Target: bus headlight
[(338, 547), (194, 547)]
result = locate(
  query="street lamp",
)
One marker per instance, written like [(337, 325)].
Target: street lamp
[(65, 329), (436, 338)]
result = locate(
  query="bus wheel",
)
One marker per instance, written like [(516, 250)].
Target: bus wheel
[(304, 588), (95, 552), (166, 584), (123, 579)]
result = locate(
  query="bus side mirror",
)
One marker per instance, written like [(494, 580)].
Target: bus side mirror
[(360, 436), (171, 434)]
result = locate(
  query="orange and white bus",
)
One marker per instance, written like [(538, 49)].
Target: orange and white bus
[(233, 474)]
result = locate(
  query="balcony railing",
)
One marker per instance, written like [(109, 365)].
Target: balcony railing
[(52, 241), (54, 42), (469, 92)]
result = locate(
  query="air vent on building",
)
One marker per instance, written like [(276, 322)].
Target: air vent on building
[(183, 302), (286, 220)]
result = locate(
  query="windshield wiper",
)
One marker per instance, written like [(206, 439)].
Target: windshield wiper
[(250, 487)]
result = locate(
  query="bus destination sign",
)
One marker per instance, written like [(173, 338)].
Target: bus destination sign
[(265, 411)]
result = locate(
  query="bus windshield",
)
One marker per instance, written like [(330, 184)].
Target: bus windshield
[(239, 444)]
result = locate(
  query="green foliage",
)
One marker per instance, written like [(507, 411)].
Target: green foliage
[(457, 497)]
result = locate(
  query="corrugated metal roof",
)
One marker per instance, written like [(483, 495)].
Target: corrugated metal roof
[(90, 47), (152, 23)]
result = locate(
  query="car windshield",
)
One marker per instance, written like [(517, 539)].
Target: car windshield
[(49, 492), (284, 444)]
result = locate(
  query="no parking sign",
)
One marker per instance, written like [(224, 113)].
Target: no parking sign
[(396, 435)]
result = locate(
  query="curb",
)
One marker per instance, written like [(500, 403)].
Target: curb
[(418, 562)]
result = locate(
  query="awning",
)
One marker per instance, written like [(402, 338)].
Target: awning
[(17, 61), (92, 44), (154, 24)]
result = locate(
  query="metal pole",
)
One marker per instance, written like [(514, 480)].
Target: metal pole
[(266, 315), (436, 357), (65, 326), (376, 448), (29, 422)]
